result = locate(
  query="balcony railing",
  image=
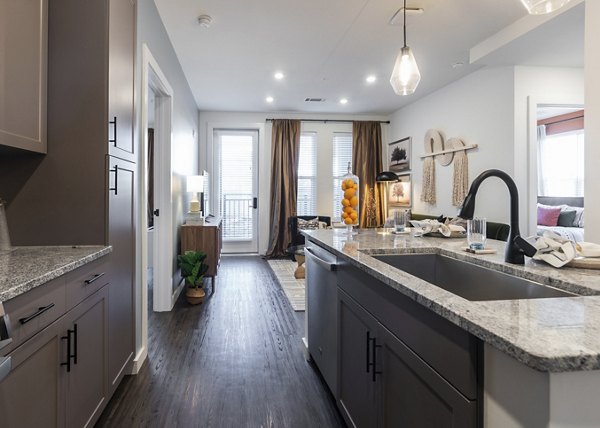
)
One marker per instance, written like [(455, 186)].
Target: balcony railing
[(236, 212)]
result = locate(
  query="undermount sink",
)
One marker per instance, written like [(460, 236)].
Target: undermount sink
[(472, 282)]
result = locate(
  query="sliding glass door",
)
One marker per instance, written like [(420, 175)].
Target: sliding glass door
[(237, 188)]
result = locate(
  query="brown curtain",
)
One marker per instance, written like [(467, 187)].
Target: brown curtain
[(366, 164), (285, 145)]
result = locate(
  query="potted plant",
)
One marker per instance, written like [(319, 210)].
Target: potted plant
[(193, 269)]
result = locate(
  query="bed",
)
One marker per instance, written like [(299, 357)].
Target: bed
[(574, 232)]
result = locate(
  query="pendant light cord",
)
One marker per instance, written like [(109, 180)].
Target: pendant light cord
[(404, 23)]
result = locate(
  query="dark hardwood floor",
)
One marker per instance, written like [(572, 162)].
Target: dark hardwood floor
[(234, 361)]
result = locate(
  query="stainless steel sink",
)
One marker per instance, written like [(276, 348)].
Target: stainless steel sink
[(468, 280)]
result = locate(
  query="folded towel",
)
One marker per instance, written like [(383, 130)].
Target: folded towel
[(554, 249), (588, 249)]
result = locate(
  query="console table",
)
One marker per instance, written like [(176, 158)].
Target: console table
[(206, 238)]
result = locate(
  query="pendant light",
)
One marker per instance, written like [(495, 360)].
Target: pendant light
[(540, 7), (405, 76)]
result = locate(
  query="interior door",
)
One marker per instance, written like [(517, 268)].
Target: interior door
[(237, 188)]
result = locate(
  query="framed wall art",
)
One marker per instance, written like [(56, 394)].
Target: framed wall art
[(399, 155), (400, 192)]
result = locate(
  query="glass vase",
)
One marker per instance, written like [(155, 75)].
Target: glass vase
[(350, 201)]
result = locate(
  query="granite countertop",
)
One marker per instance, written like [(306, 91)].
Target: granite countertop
[(550, 334), (24, 268)]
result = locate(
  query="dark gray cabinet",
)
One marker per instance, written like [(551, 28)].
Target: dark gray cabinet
[(398, 365), (31, 393), (321, 299), (121, 235), (86, 379)]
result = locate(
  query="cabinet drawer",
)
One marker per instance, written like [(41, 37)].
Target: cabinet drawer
[(35, 310), (86, 280)]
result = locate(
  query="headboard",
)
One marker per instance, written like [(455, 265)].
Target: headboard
[(560, 200)]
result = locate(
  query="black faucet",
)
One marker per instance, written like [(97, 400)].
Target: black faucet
[(516, 247)]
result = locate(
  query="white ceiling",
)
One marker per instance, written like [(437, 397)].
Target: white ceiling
[(327, 48)]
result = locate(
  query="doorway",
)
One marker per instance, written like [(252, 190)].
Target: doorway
[(156, 241), (236, 183)]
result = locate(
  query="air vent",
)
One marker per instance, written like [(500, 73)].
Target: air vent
[(315, 100)]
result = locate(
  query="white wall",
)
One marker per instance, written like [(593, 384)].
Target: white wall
[(533, 86), (592, 120), (214, 120), (150, 30), (479, 109)]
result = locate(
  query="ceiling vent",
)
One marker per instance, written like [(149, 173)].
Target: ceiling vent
[(315, 100)]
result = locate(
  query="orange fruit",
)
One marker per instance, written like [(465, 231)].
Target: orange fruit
[(348, 220), (344, 185), (354, 201), (353, 216), (345, 202), (355, 186), (348, 210), (344, 215), (349, 193)]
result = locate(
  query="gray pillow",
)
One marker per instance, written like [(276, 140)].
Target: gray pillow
[(311, 224), (567, 218)]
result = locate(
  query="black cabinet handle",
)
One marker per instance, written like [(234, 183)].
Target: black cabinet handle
[(116, 171), (68, 339), (74, 343), (39, 312), (368, 347), (114, 124), (255, 203), (375, 371), (94, 278)]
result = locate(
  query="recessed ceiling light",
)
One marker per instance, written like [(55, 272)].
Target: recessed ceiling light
[(279, 75), (269, 99), (343, 101), (205, 20), (371, 78)]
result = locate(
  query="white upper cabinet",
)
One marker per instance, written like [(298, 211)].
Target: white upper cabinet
[(23, 65)]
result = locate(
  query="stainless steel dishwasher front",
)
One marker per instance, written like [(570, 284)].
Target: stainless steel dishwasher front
[(321, 311)]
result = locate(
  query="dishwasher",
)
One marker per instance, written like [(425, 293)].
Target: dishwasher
[(321, 311)]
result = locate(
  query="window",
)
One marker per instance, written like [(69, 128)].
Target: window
[(307, 175), (342, 154), (561, 164)]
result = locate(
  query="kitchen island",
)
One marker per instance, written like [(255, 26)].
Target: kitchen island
[(537, 360)]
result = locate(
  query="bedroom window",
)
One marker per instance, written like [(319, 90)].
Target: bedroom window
[(561, 161), (307, 174)]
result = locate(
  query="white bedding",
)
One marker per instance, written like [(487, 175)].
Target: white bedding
[(571, 233)]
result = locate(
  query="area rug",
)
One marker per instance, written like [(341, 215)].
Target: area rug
[(293, 288)]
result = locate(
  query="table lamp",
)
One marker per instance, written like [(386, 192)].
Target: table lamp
[(195, 185)]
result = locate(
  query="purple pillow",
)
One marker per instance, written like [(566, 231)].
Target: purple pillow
[(547, 215)]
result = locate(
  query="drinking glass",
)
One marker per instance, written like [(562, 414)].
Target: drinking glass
[(476, 233), (399, 221)]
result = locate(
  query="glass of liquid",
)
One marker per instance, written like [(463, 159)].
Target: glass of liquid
[(399, 221), (476, 233)]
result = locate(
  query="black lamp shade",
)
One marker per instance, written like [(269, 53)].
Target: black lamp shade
[(386, 176)]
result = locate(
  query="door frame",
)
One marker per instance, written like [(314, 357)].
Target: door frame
[(262, 212), (163, 294)]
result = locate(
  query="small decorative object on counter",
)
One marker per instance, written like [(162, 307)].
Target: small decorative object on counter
[(350, 209), (4, 236), (193, 269)]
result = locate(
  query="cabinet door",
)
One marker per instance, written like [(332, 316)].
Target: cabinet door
[(30, 395), (357, 329), (321, 313), (87, 385), (120, 74), (23, 64), (121, 235), (411, 394)]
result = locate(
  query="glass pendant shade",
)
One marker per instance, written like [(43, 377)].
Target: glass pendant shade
[(540, 7), (405, 76)]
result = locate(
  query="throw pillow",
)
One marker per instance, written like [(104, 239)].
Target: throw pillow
[(547, 215), (311, 224), (567, 218)]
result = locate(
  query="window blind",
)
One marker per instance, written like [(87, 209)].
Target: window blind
[(307, 175), (342, 154)]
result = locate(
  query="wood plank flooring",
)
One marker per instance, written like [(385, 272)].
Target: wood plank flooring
[(234, 361)]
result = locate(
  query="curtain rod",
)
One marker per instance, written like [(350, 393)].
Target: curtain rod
[(332, 120)]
